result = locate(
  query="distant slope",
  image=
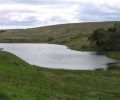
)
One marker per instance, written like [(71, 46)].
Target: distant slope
[(73, 35)]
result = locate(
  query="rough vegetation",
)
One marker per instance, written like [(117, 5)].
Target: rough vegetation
[(73, 35), (107, 40)]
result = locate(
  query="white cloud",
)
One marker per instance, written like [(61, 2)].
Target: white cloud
[(44, 12)]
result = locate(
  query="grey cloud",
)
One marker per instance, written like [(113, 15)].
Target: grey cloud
[(92, 12), (52, 20), (6, 12), (38, 2), (29, 21), (5, 18)]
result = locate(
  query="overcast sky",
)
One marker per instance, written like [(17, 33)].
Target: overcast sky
[(34, 13)]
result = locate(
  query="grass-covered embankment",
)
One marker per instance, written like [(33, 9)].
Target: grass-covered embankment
[(22, 81), (114, 55)]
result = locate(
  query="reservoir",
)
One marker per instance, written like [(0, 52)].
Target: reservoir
[(56, 56)]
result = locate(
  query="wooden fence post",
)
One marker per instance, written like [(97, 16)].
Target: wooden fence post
[(51, 90), (3, 77), (81, 95), (8, 79), (17, 83), (100, 96), (30, 86), (22, 82), (40, 89)]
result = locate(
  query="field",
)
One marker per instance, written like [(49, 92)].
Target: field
[(22, 81)]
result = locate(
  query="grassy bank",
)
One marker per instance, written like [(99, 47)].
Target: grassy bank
[(22, 81), (114, 55)]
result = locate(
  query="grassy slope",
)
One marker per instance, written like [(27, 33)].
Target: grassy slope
[(114, 55), (88, 84)]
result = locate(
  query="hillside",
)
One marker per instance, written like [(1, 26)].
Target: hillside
[(73, 35), (22, 81)]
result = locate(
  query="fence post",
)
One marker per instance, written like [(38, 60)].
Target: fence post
[(30, 86), (22, 82), (100, 96), (3, 77), (51, 90), (40, 88), (65, 90), (40, 92), (81, 95), (8, 79), (17, 83)]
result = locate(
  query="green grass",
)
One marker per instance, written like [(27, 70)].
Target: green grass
[(22, 81), (114, 55)]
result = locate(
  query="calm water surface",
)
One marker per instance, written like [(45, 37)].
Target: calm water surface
[(56, 56)]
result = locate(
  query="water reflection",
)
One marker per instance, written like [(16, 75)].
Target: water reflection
[(56, 56)]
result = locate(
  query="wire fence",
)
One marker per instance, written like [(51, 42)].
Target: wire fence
[(53, 92)]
